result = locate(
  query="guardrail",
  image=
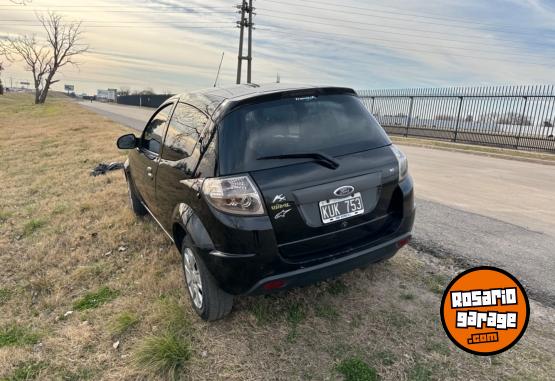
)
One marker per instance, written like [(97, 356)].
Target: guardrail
[(520, 117)]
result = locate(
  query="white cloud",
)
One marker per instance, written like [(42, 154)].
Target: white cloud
[(362, 44)]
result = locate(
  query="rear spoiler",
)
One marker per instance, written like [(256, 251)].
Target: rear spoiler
[(228, 106)]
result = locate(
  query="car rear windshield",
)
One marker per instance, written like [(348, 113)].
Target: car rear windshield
[(334, 125)]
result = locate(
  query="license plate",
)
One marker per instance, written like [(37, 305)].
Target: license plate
[(339, 208)]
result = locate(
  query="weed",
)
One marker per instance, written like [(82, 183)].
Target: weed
[(438, 347), (27, 370), (354, 369), (17, 336), (419, 372), (4, 216), (164, 355), (407, 296), (85, 207), (123, 323), (397, 319), (32, 226), (173, 316), (385, 357), (79, 375), (326, 311), (5, 295), (296, 313), (337, 287), (95, 299), (436, 283), (263, 310), (59, 209)]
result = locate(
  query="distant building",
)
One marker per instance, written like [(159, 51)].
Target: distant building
[(106, 95)]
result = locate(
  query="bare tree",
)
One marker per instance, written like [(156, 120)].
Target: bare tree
[(43, 59), (124, 90), (21, 2)]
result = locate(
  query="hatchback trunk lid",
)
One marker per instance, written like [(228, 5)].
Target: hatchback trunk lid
[(323, 165), (293, 195)]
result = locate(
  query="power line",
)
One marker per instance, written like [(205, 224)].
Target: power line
[(397, 11), (414, 43), (466, 35), (342, 11), (327, 39)]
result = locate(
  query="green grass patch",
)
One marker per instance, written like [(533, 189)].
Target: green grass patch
[(337, 287), (123, 323), (263, 310), (438, 347), (17, 336), (95, 299), (354, 369), (386, 358), (420, 372), (60, 209), (83, 374), (4, 216), (32, 226), (407, 296), (436, 283), (326, 311), (296, 313), (27, 370), (164, 355), (172, 315), (5, 295)]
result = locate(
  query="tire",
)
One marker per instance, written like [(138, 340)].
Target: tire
[(210, 302), (134, 202)]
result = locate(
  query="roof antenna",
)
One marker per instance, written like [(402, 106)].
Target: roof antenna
[(219, 67)]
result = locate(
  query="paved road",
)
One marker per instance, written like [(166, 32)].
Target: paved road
[(476, 209), (130, 116), (487, 211)]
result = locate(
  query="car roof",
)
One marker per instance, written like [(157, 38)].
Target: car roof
[(209, 100)]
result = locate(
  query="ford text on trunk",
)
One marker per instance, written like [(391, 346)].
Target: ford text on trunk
[(263, 188)]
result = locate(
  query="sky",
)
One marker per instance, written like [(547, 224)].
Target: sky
[(175, 46)]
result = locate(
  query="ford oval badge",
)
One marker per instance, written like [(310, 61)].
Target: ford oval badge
[(344, 191)]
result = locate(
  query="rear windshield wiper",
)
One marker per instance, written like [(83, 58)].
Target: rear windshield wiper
[(323, 159)]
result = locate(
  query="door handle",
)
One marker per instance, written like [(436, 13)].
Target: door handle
[(149, 171)]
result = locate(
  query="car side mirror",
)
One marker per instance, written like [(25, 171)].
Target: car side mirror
[(128, 141)]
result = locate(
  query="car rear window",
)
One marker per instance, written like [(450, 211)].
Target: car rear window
[(331, 124)]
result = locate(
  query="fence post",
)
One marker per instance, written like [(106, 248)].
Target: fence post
[(373, 99), (521, 121), (458, 119), (409, 116)]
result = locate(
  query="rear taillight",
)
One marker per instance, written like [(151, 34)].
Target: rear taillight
[(402, 161), (236, 195)]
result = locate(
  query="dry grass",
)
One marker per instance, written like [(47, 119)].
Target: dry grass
[(382, 321)]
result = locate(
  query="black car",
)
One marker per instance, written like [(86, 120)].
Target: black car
[(264, 188)]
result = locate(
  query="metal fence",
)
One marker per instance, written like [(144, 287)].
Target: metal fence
[(520, 117), (154, 100)]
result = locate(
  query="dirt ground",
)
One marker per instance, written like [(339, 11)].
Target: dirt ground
[(89, 292)]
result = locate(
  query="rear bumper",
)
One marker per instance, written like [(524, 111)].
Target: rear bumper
[(330, 269), (254, 259)]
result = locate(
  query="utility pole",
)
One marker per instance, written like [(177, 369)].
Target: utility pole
[(245, 9)]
